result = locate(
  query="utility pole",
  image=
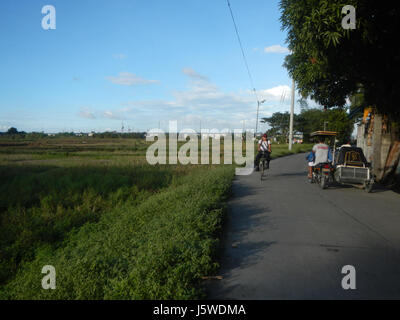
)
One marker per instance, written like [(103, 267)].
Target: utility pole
[(258, 109), (291, 118)]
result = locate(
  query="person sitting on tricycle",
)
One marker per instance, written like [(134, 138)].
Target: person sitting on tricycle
[(322, 154)]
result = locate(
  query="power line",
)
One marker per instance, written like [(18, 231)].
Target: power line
[(241, 48)]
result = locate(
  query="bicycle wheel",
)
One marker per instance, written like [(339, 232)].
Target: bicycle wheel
[(262, 168)]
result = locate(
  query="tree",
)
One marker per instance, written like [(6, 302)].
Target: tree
[(339, 121), (279, 123), (12, 130), (310, 120), (335, 119), (330, 63)]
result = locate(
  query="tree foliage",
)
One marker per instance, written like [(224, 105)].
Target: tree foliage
[(329, 63), (12, 130), (310, 120), (279, 123)]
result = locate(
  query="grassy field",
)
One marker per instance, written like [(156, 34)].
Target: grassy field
[(280, 150), (113, 226)]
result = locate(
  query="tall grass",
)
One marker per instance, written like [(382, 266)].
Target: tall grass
[(42, 204), (114, 229), (158, 249)]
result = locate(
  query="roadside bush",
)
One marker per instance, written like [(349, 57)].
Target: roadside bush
[(39, 206), (158, 249)]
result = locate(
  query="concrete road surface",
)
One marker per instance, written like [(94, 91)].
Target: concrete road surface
[(288, 239)]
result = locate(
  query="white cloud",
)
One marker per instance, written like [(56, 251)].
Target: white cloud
[(4, 127), (277, 48), (194, 75), (86, 113), (129, 79), (108, 114), (116, 115), (204, 96), (278, 93), (203, 101), (120, 56)]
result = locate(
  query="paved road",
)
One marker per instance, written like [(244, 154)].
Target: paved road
[(288, 239)]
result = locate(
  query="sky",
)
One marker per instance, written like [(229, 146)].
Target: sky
[(140, 64)]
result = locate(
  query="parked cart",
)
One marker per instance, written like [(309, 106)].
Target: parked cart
[(351, 167)]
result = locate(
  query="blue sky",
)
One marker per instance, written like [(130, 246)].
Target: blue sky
[(139, 62)]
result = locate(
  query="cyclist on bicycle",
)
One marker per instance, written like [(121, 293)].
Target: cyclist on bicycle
[(264, 148)]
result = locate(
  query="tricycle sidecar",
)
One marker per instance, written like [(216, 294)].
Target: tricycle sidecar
[(351, 167)]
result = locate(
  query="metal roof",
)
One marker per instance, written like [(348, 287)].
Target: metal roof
[(324, 133)]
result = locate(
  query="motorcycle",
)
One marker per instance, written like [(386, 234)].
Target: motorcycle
[(322, 174)]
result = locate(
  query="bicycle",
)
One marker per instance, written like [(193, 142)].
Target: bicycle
[(263, 165)]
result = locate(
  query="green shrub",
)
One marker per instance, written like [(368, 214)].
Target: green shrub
[(42, 206), (158, 249)]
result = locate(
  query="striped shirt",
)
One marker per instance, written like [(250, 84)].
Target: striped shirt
[(264, 145)]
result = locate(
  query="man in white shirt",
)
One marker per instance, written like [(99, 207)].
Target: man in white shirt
[(322, 154), (321, 151), (264, 146)]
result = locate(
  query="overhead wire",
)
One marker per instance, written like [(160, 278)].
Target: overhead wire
[(241, 48)]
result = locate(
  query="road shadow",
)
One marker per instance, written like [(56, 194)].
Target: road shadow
[(377, 188), (241, 190), (238, 250), (293, 174)]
